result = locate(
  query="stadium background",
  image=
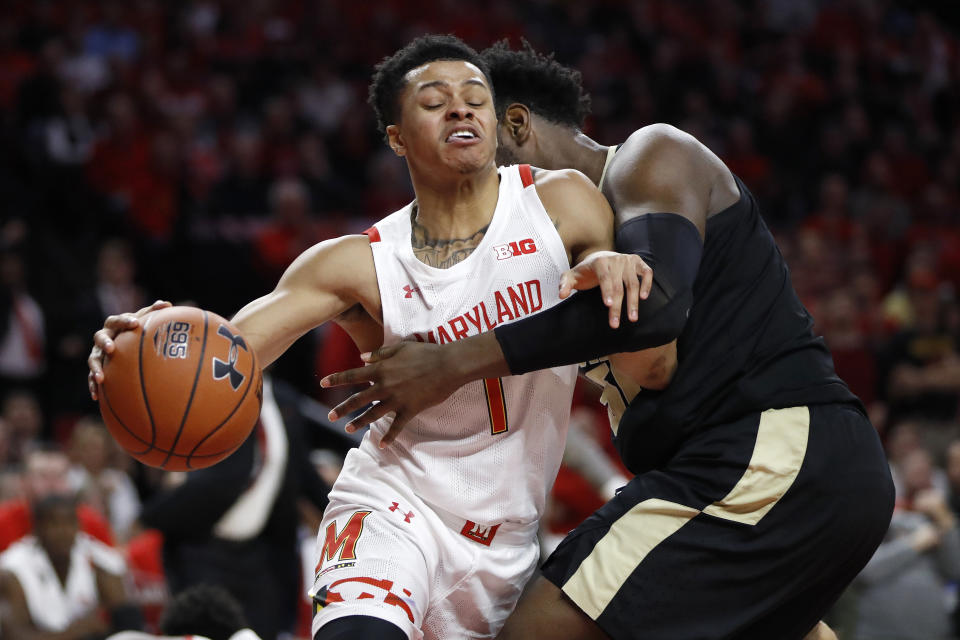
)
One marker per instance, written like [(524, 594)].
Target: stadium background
[(188, 150)]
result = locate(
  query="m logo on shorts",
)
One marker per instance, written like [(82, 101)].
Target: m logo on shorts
[(343, 544), (479, 533)]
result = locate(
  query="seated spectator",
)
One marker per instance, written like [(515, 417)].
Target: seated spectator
[(23, 418), (921, 376), (292, 228), (23, 356), (93, 476), (60, 582), (45, 474), (903, 439), (235, 524), (902, 590)]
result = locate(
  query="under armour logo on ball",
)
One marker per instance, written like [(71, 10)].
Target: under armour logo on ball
[(223, 369)]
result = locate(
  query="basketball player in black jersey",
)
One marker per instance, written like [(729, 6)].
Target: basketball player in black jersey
[(761, 486)]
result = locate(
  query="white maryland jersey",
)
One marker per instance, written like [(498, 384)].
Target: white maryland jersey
[(491, 451), (54, 606)]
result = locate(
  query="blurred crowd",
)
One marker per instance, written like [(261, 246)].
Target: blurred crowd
[(189, 149)]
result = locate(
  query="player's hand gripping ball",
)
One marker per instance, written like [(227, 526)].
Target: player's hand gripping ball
[(182, 391)]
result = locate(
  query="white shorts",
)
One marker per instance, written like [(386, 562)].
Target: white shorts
[(385, 553)]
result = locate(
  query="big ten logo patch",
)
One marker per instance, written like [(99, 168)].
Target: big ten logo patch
[(342, 544), (172, 339), (364, 588), (514, 249)]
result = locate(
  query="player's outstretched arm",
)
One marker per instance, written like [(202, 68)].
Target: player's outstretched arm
[(321, 283)]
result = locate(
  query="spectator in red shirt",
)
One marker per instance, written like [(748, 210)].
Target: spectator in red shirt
[(45, 474)]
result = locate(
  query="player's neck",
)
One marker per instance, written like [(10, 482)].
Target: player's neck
[(449, 221), (453, 208), (564, 147)]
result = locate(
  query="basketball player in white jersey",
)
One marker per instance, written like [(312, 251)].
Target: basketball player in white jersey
[(435, 536), (59, 582)]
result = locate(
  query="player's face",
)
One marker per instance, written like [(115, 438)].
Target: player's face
[(57, 529), (446, 118)]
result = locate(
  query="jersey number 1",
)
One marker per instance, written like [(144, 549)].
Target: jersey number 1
[(496, 405)]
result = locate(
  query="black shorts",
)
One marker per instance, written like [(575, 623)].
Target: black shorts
[(752, 531)]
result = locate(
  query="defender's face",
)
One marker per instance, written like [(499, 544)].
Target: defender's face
[(446, 118)]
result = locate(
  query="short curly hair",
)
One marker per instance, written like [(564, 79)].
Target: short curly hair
[(205, 610), (388, 78), (548, 88)]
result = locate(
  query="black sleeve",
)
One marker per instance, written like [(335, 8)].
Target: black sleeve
[(192, 508), (578, 329), (311, 485)]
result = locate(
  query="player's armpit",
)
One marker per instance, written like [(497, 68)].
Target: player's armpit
[(323, 282)]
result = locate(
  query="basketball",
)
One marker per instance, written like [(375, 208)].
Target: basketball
[(182, 391)]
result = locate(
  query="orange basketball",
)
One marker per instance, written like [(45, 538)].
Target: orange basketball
[(182, 391)]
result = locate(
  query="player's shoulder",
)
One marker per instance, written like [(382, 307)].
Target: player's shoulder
[(354, 245), (561, 180), (562, 190), (101, 555), (345, 260), (566, 192), (656, 145), (660, 165)]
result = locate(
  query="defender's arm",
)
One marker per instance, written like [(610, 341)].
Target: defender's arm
[(659, 185)]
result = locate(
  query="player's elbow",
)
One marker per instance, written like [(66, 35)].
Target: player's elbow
[(661, 320)]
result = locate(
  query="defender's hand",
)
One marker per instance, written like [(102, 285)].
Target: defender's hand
[(103, 341), (404, 379), (612, 272)]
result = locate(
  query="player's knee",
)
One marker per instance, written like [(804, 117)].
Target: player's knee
[(360, 628)]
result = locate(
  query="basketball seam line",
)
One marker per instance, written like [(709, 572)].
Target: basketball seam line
[(253, 370), (193, 390), (150, 446), (143, 389)]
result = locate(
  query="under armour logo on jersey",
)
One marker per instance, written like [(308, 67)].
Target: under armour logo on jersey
[(410, 291), (223, 369), (514, 249), (406, 516)]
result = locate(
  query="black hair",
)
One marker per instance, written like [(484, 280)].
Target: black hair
[(545, 86), (43, 507), (203, 610), (388, 78)]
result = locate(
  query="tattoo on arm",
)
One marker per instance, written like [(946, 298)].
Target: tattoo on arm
[(442, 254)]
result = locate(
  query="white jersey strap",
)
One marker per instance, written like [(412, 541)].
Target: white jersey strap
[(612, 149)]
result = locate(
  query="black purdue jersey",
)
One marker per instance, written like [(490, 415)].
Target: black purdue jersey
[(748, 345)]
